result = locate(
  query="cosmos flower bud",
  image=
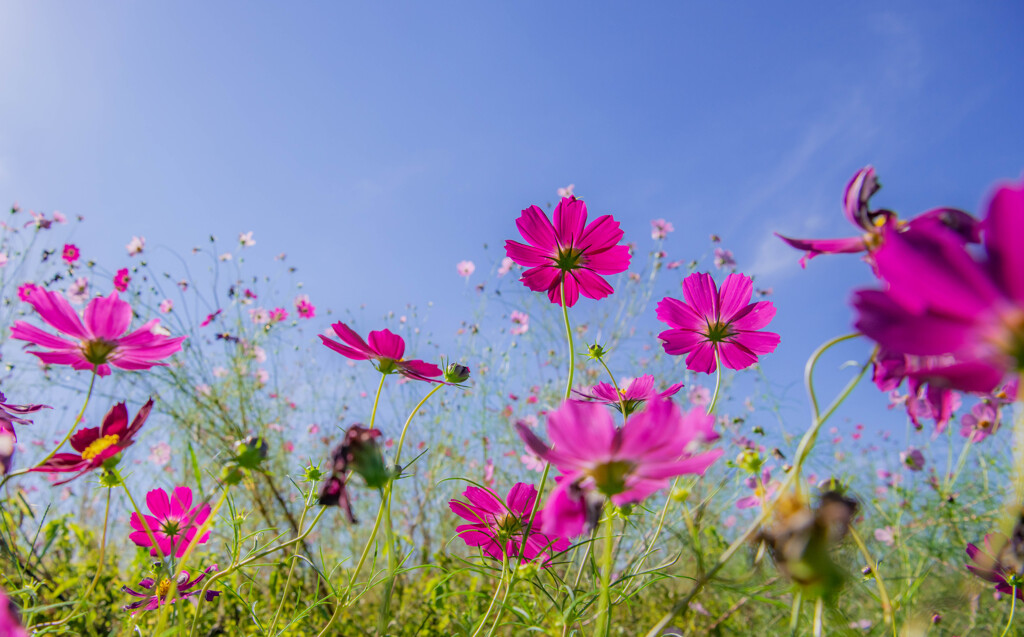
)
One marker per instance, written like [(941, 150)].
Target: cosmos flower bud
[(456, 373)]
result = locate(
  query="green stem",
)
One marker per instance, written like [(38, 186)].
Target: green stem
[(794, 614), (252, 558), (138, 512), (384, 617), (291, 566), (819, 623), (376, 399), (67, 436), (568, 337), (873, 565), (718, 383), (803, 450), (618, 392), (1013, 607), (604, 608), (343, 599), (501, 609), (494, 598)]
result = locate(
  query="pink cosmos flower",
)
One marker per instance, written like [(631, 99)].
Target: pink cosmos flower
[(259, 316), (982, 422), (10, 625), (713, 323), (166, 306), (3, 259), (385, 350), (567, 191), (570, 251), (97, 445), (174, 522), (78, 292), (598, 460), (724, 259), (506, 266), (136, 246), (497, 526), (940, 301), (278, 315), (98, 342), (520, 321), (925, 399), (660, 229), (245, 239), (71, 253), (875, 223), (303, 307), (763, 489), (25, 290), (121, 280), (913, 459), (634, 394), (465, 268), (59, 217), (886, 535), (155, 595), (989, 567)]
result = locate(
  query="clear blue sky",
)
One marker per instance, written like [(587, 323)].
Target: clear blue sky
[(380, 143)]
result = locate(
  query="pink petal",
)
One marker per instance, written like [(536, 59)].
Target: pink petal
[(542, 278), (387, 344), (610, 261), (159, 503), (570, 219), (181, 501), (520, 498), (700, 292), (600, 234), (55, 310), (535, 227), (753, 317), (527, 256), (591, 285), (734, 295), (678, 314), (1004, 230), (27, 332), (108, 317), (757, 342)]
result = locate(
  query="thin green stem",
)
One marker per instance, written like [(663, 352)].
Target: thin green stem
[(494, 598), (819, 620), (718, 383), (138, 512), (291, 565), (568, 337), (1013, 607), (618, 392), (501, 609), (794, 614), (873, 565), (376, 399), (604, 607), (343, 599)]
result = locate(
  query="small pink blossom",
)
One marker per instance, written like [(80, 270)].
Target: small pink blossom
[(262, 376), (660, 229), (913, 459), (166, 306), (59, 217), (245, 239), (78, 292), (980, 423), (567, 191), (224, 257), (136, 246), (70, 254), (465, 268), (122, 279), (886, 535), (303, 307), (724, 259), (174, 522), (3, 259), (25, 291), (160, 454), (259, 316), (385, 350), (506, 266), (520, 322), (278, 315), (632, 395), (210, 317)]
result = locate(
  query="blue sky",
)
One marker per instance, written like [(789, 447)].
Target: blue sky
[(378, 144)]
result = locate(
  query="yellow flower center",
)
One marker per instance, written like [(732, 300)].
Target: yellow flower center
[(98, 446), (98, 351), (163, 588)]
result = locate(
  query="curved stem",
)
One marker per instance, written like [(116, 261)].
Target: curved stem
[(376, 399), (408, 421), (501, 609), (494, 598), (618, 392), (67, 436), (718, 383), (813, 361), (1013, 607)]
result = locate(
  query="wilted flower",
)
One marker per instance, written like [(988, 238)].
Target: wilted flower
[(626, 465), (800, 538), (98, 342), (385, 350), (357, 453), (98, 445), (497, 526), (715, 323), (174, 523), (634, 394), (156, 594), (570, 253)]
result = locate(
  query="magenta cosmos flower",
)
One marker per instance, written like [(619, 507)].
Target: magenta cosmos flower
[(989, 567), (155, 595), (714, 322), (873, 223), (940, 301), (497, 526), (10, 624), (174, 522), (636, 393), (97, 445), (98, 339), (598, 460), (569, 251), (385, 351)]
